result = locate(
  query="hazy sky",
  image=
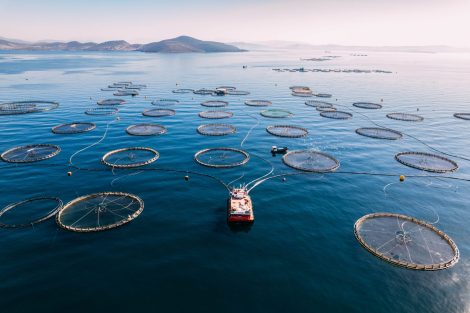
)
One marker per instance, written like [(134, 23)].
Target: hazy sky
[(362, 22)]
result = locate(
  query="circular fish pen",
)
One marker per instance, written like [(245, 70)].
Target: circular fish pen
[(102, 111), (258, 103), (111, 102), (73, 128), (222, 157), (30, 153), (367, 105), (130, 157), (427, 162), (290, 131), (164, 102), (297, 87), (337, 115), (323, 95), (146, 130), (182, 90), (127, 92), (29, 212), (99, 211), (25, 107), (318, 104), (405, 117), (159, 112), (322, 109), (463, 116), (276, 113), (204, 92), (216, 114), (310, 161), (226, 88), (216, 129), (302, 94), (406, 241), (379, 133), (135, 86), (214, 103), (237, 93)]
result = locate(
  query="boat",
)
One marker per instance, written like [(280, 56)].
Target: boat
[(280, 150), (240, 207)]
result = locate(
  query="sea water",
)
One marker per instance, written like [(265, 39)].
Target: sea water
[(179, 255)]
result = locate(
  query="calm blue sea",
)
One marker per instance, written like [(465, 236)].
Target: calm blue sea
[(179, 255)]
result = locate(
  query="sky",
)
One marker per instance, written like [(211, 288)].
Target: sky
[(347, 22)]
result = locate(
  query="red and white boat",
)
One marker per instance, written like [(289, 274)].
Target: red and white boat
[(240, 207)]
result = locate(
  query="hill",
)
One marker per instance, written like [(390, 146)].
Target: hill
[(188, 44), (175, 45)]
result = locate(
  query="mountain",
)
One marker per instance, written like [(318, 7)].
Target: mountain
[(188, 44), (116, 45), (175, 45)]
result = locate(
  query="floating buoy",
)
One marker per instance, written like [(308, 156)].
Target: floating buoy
[(402, 178), (186, 178), (69, 173), (284, 179)]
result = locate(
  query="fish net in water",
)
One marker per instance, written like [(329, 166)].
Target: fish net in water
[(463, 116), (405, 117), (258, 103), (120, 85), (127, 92), (322, 95), (338, 115), (215, 114), (102, 111), (310, 161), (29, 212), (297, 87), (427, 162), (146, 130), (318, 104), (183, 90), (276, 113), (25, 107), (111, 102), (287, 131), (379, 133), (30, 153), (204, 92), (237, 92), (322, 109), (221, 157), (214, 103), (135, 86), (367, 105), (159, 112), (130, 157), (226, 88), (164, 102), (406, 241), (99, 211), (73, 128), (302, 94), (216, 129)]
